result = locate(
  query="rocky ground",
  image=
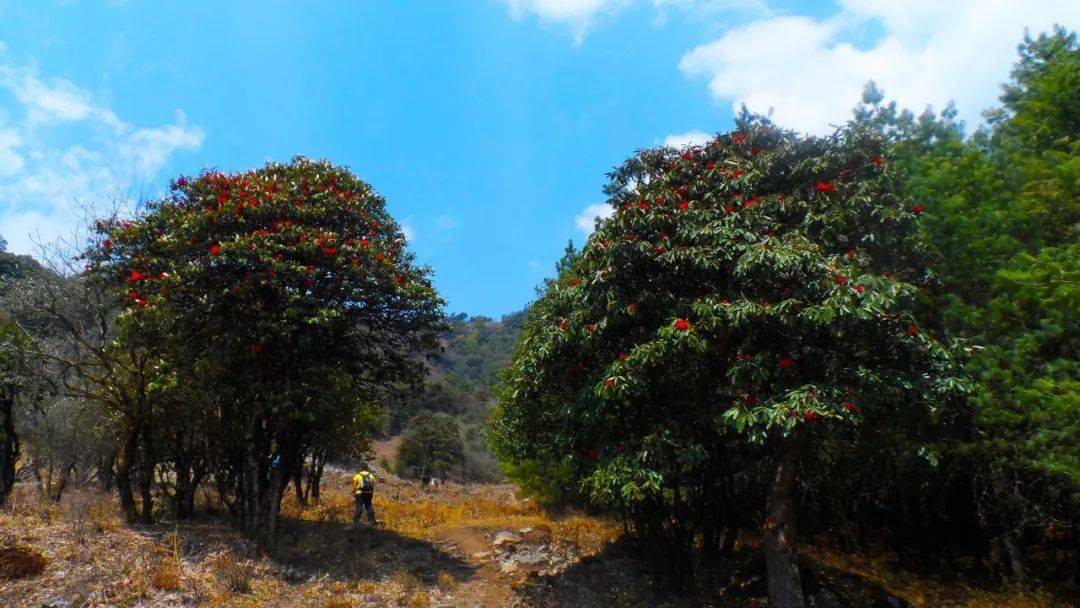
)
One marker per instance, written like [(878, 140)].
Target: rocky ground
[(455, 545)]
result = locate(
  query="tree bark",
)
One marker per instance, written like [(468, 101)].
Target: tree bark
[(146, 482), (9, 445), (781, 557), (124, 464)]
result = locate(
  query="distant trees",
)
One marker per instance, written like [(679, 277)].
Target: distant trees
[(752, 306), (431, 446), (281, 305)]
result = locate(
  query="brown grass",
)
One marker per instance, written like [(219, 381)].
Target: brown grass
[(167, 576), (235, 575), (929, 592), (21, 561)]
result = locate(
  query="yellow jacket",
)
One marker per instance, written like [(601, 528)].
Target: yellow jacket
[(358, 483)]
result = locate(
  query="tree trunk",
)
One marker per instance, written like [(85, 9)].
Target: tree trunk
[(124, 465), (781, 563), (146, 482), (9, 445), (1012, 551)]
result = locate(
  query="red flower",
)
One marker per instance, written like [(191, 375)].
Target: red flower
[(215, 250), (591, 454), (785, 362), (308, 282), (575, 282), (107, 243), (851, 407), (917, 209), (310, 267), (710, 166), (765, 303), (876, 160), (850, 254), (564, 326), (400, 280), (840, 280), (683, 206), (592, 328), (751, 400), (256, 348), (859, 288), (729, 208), (687, 155), (610, 382), (642, 205), (682, 325), (825, 187), (632, 307), (135, 276), (912, 330), (623, 357), (738, 138), (809, 416), (755, 151)]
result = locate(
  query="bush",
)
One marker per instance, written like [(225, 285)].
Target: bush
[(431, 447)]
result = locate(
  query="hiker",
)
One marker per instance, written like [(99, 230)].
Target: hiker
[(363, 489)]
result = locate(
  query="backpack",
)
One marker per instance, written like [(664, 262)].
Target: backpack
[(367, 483)]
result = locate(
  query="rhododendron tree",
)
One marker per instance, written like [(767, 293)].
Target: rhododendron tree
[(287, 295), (747, 309)]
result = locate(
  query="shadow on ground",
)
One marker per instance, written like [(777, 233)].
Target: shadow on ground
[(617, 578), (350, 552)]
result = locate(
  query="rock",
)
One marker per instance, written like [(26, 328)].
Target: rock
[(480, 554), (525, 530), (56, 603), (529, 556), (508, 567), (505, 537)]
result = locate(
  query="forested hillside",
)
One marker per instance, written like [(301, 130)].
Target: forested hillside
[(460, 384)]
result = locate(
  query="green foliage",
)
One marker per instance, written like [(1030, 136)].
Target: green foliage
[(283, 304), (431, 447), (756, 298)]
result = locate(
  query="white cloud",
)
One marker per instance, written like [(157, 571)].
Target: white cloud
[(444, 222), (586, 220), (44, 177), (578, 15), (582, 15), (930, 53), (690, 138)]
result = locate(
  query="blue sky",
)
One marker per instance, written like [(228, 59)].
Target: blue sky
[(487, 124)]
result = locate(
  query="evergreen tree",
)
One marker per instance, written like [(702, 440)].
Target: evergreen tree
[(751, 301)]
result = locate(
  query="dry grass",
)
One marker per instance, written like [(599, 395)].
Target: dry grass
[(235, 575), (167, 576), (928, 592), (20, 561)]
